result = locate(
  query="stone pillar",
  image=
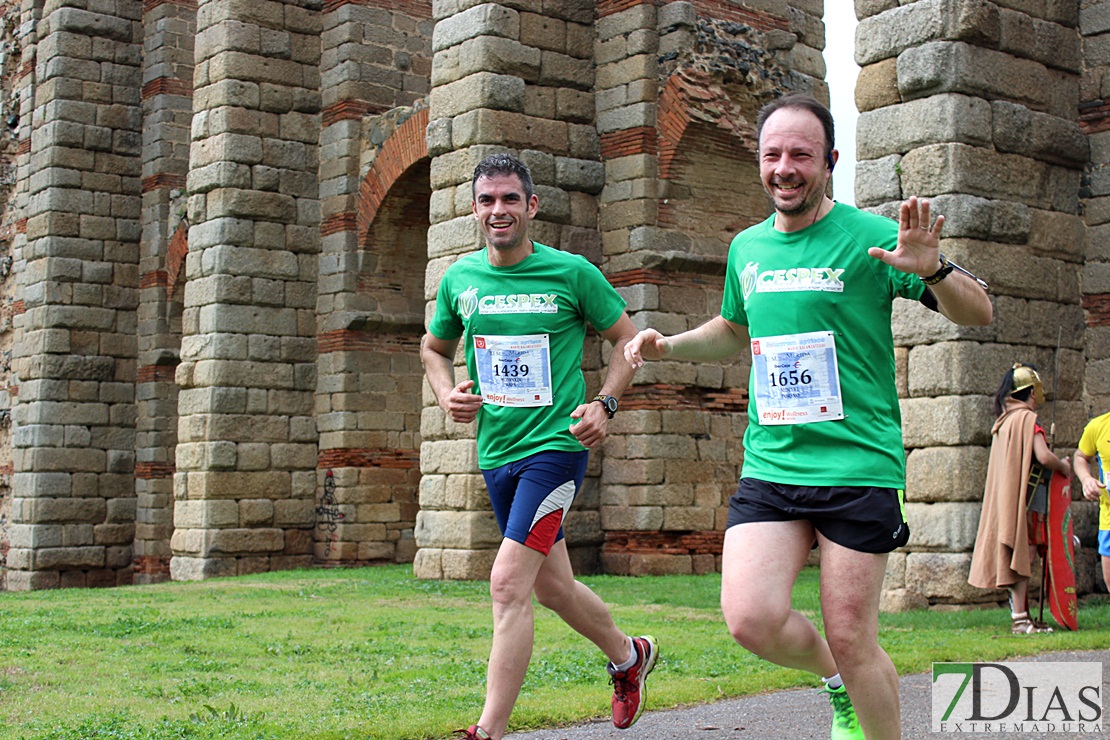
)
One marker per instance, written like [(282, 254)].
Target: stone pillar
[(374, 198), (246, 454), (167, 93), (511, 79), (73, 508), (974, 105), (15, 138), (1094, 119), (677, 90)]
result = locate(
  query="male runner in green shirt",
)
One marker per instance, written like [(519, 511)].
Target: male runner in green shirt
[(809, 291), (521, 309)]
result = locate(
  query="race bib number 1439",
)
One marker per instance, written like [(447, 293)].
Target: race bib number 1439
[(514, 370)]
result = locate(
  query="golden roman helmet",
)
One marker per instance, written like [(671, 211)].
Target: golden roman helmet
[(1025, 377)]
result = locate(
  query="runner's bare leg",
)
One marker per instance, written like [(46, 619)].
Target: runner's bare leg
[(578, 606), (511, 582), (761, 561), (851, 584)]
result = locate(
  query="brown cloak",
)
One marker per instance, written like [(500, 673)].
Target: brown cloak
[(1001, 556)]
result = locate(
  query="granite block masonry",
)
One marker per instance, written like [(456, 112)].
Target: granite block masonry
[(224, 223)]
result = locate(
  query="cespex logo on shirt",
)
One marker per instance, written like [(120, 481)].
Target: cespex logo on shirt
[(468, 302), (819, 279), (518, 303)]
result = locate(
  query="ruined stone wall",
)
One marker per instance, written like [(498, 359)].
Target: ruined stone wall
[(1094, 119), (374, 199), (226, 222), (10, 76), (167, 108), (73, 498)]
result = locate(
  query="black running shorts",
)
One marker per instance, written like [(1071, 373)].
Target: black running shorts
[(862, 518)]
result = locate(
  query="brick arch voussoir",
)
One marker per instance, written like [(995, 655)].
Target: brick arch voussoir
[(688, 96), (674, 118), (406, 146), (175, 257)]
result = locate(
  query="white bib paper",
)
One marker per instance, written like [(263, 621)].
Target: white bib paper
[(514, 370), (797, 380)]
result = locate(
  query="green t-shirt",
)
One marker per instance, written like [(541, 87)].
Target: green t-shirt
[(821, 279), (550, 293)]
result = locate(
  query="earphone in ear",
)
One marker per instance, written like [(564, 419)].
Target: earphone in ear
[(829, 159)]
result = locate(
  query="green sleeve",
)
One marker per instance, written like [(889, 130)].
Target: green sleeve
[(446, 324), (601, 304)]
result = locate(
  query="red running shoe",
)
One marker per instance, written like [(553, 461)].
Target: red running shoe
[(630, 687), (474, 732)]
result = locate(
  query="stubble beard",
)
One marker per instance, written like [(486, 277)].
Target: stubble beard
[(810, 203), (504, 243), (502, 246)]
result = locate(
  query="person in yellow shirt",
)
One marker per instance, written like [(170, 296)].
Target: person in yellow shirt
[(1094, 446)]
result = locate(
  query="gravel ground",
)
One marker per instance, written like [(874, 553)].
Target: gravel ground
[(801, 714)]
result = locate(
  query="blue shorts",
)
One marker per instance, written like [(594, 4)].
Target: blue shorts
[(531, 496), (1104, 542)]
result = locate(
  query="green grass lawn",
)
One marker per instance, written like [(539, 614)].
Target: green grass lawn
[(374, 653)]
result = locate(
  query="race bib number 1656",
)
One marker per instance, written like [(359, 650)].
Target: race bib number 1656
[(796, 379)]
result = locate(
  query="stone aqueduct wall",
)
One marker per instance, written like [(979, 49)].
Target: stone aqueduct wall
[(224, 222)]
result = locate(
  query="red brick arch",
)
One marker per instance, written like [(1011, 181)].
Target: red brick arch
[(707, 151), (690, 95), (406, 146)]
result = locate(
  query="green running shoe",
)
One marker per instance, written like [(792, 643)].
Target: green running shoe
[(845, 726)]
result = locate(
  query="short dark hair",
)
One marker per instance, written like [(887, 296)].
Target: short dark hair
[(502, 164), (805, 102)]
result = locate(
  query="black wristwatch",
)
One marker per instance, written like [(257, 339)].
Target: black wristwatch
[(609, 403), (941, 274)]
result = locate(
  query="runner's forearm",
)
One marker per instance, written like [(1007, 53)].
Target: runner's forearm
[(962, 301), (439, 369), (716, 339), (619, 374)]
